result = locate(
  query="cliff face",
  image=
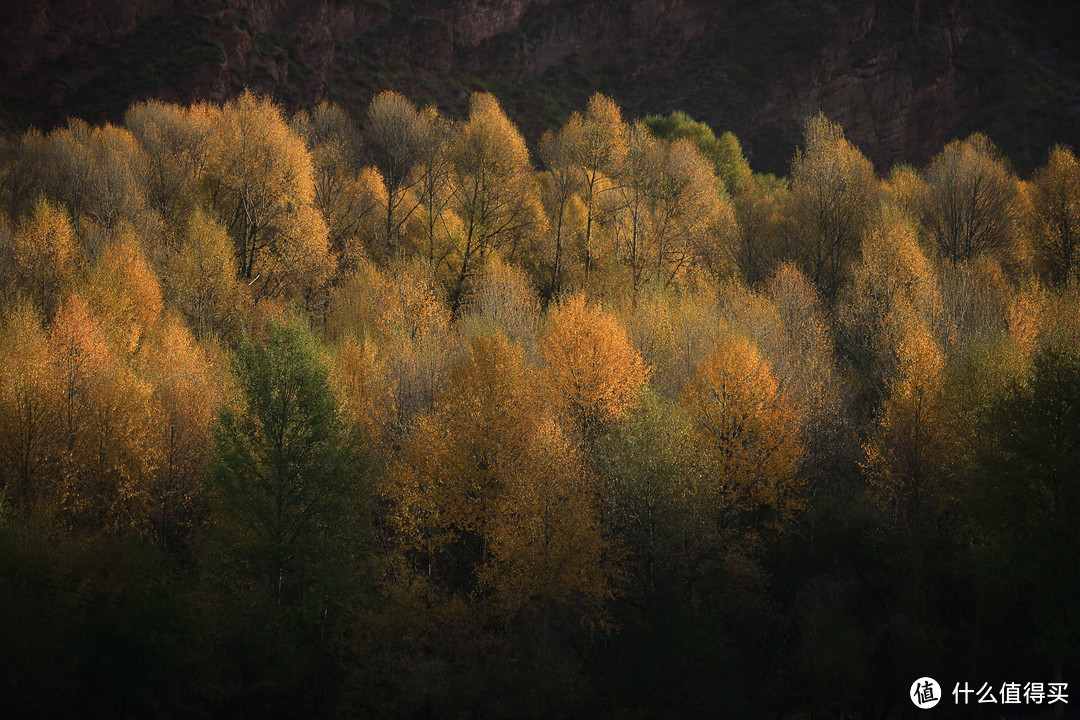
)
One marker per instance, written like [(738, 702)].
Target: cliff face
[(893, 72), (889, 77)]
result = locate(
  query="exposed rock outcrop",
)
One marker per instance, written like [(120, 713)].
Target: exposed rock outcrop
[(893, 72)]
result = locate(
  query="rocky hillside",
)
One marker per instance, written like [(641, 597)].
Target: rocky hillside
[(903, 76)]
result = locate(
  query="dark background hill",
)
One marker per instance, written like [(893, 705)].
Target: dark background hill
[(902, 76)]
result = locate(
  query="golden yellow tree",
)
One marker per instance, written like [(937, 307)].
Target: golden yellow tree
[(563, 180), (595, 372), (437, 222), (760, 230), (186, 392), (893, 274), (95, 172), (747, 433), (547, 550), (175, 140), (359, 380), (347, 196), (911, 430), (125, 293), (260, 184), (495, 192), (105, 426), (505, 299), (29, 409), (905, 188), (45, 254), (200, 279), (402, 319), (400, 137), (457, 457), (695, 225), (804, 364), (669, 214), (598, 146), (490, 491), (1055, 200), (640, 179), (832, 203)]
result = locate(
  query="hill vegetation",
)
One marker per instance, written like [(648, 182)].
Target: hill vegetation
[(301, 417)]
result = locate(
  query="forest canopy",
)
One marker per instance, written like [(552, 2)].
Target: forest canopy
[(390, 415)]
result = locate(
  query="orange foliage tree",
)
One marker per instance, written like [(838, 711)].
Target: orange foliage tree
[(595, 372), (488, 483), (747, 434), (45, 254)]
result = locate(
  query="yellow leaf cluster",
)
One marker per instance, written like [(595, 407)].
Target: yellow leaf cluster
[(592, 367), (747, 432)]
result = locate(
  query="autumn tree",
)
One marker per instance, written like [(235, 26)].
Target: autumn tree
[(1055, 220), (557, 150), (490, 484), (654, 325), (907, 444), (260, 185), (598, 151), (175, 140), (200, 279), (125, 293), (703, 226), (347, 196), (970, 205), (186, 393), (494, 190), (548, 553), (45, 254), (457, 458), (95, 172), (893, 275), (400, 137), (832, 204), (640, 177), (439, 225), (406, 320), (802, 359), (30, 440), (976, 297), (669, 215), (905, 188), (758, 245), (505, 299), (594, 370), (328, 126), (104, 419), (359, 381), (748, 435)]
